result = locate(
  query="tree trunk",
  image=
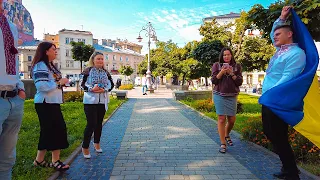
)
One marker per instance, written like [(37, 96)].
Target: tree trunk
[(183, 79), (175, 80), (240, 42), (206, 79), (81, 66), (161, 80)]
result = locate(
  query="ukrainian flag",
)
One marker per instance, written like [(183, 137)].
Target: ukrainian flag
[(297, 101)]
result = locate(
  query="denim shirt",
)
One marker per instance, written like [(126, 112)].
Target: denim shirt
[(96, 76), (287, 63), (47, 89)]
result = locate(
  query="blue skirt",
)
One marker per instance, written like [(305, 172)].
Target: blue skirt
[(225, 105)]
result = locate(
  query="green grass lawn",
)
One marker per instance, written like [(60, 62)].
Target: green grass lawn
[(29, 134), (252, 109)]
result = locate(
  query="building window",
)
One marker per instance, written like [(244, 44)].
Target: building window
[(29, 68), (67, 52), (114, 57), (69, 63), (107, 67), (84, 41), (29, 58), (67, 40), (107, 56), (79, 40), (127, 58), (71, 39), (120, 58), (113, 67)]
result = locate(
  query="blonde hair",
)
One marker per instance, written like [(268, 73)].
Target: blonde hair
[(90, 62)]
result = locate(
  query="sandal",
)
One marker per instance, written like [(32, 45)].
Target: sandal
[(42, 163), (59, 166), (228, 139), (223, 148)]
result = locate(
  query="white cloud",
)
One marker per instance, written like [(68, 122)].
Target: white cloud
[(169, 17), (165, 12), (190, 33), (174, 16), (172, 10), (160, 19)]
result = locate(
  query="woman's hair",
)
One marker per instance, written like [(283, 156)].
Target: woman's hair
[(90, 63), (232, 62), (41, 55)]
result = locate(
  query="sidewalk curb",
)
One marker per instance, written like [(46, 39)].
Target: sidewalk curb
[(307, 173), (74, 154)]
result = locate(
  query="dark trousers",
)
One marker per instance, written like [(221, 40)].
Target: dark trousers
[(276, 131), (95, 114)]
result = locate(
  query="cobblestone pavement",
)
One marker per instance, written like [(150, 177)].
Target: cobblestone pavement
[(162, 139)]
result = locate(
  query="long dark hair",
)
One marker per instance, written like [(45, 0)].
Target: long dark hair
[(41, 55), (232, 62)]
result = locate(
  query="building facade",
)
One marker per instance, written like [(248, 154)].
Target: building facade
[(117, 57)]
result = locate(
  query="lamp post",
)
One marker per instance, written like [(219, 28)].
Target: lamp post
[(150, 33)]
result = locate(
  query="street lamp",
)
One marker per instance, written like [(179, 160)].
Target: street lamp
[(150, 33)]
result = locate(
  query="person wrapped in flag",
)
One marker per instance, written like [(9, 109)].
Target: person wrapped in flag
[(290, 90), (287, 63)]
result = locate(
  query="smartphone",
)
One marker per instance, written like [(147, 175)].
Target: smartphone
[(225, 65)]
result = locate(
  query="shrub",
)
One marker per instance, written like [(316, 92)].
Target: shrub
[(303, 149), (204, 105), (75, 96), (126, 87), (240, 107)]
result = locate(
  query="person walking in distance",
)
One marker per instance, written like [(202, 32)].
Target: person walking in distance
[(144, 85)]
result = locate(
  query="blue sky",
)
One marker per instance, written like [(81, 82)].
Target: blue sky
[(178, 20)]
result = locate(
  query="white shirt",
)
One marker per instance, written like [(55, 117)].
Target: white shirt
[(9, 82), (144, 81)]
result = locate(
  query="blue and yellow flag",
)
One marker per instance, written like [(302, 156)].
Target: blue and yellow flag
[(297, 101)]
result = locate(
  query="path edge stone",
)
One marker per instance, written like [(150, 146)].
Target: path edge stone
[(75, 153), (251, 143)]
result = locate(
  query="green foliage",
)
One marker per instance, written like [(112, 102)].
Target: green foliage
[(212, 31), (207, 53), (126, 70), (308, 11), (255, 53), (126, 87), (73, 96), (81, 52)]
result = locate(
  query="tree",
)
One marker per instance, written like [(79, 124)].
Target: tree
[(214, 31), (126, 70), (242, 24), (207, 53), (255, 53), (308, 10), (81, 52)]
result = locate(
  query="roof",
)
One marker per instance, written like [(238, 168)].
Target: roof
[(75, 31), (224, 16), (116, 50)]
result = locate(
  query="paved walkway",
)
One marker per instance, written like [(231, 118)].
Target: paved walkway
[(162, 139)]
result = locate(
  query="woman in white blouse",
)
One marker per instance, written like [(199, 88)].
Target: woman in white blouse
[(96, 83), (48, 82)]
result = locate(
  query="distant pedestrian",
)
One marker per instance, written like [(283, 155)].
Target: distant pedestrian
[(144, 85)]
